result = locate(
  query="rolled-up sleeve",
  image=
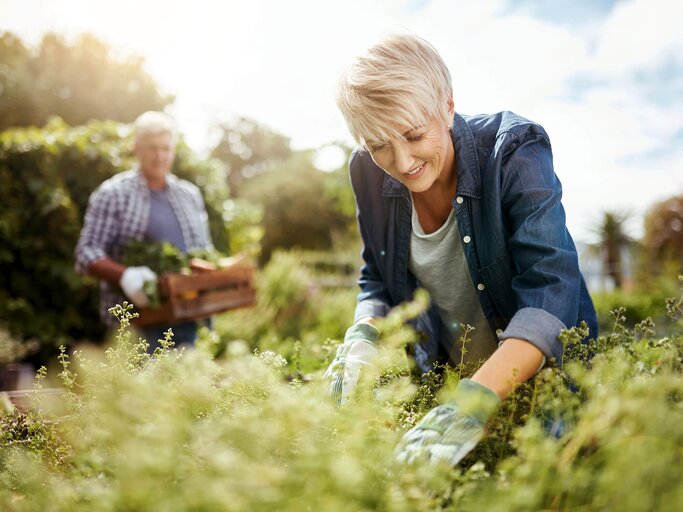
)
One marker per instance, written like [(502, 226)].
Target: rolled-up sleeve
[(548, 280), (100, 229)]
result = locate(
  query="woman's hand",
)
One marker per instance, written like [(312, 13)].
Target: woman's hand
[(357, 351), (449, 432)]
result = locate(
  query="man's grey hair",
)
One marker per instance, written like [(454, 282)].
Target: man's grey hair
[(155, 123)]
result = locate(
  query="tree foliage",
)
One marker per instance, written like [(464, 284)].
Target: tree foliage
[(612, 240), (663, 239), (77, 81), (297, 205), (302, 206), (248, 148)]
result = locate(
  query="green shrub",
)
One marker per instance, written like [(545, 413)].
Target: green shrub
[(300, 308), (179, 431), (303, 208), (638, 305)]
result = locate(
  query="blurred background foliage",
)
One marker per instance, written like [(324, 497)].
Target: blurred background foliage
[(77, 81), (248, 148), (304, 300), (64, 113), (302, 207), (663, 239)]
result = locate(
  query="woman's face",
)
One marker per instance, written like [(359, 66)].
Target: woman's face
[(418, 161)]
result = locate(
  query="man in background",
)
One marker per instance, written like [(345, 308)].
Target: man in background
[(146, 203)]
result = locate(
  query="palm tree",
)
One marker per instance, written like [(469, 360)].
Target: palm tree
[(612, 239), (663, 237)]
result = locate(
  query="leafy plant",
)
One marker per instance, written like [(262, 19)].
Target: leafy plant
[(159, 256), (13, 350), (178, 430)]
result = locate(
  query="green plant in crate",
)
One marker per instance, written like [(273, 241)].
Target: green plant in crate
[(161, 257), (164, 257)]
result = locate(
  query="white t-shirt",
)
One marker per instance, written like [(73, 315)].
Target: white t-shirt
[(438, 262)]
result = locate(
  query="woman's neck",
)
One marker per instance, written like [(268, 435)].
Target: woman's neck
[(434, 205)]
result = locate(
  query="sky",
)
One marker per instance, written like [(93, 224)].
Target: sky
[(604, 77)]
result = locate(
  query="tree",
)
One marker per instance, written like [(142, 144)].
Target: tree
[(78, 82), (612, 240), (248, 149), (301, 206), (663, 237)]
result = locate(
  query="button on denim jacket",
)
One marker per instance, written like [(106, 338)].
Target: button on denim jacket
[(521, 257)]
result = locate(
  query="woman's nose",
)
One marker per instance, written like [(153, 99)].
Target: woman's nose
[(402, 157)]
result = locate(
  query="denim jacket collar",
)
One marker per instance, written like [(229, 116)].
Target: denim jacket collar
[(469, 173)]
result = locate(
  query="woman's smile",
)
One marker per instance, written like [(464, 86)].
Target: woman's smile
[(415, 173)]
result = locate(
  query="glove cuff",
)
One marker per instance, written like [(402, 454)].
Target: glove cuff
[(362, 331), (475, 400)]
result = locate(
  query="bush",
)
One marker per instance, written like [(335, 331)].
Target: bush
[(638, 305), (296, 314), (178, 431), (303, 207), (663, 238), (47, 176)]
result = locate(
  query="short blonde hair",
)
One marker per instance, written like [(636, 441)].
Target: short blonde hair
[(400, 81), (155, 123)]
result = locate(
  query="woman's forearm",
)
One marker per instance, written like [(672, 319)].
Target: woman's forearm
[(512, 364)]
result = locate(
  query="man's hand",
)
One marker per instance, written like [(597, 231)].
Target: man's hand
[(132, 282), (450, 431), (357, 350)]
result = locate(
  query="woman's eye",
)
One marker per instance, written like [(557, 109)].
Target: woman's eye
[(377, 147), (415, 138)]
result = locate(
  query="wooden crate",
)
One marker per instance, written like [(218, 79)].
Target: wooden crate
[(200, 295)]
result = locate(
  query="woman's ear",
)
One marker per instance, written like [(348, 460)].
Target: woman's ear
[(451, 106)]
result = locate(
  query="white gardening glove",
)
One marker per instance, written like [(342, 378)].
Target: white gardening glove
[(450, 431), (357, 351), (132, 282)]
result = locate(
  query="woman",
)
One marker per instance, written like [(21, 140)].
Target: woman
[(467, 207)]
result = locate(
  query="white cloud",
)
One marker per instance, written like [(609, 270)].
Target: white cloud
[(638, 32)]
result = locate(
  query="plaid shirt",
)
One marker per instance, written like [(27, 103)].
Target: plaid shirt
[(118, 211)]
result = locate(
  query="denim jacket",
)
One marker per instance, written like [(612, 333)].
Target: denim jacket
[(521, 257)]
